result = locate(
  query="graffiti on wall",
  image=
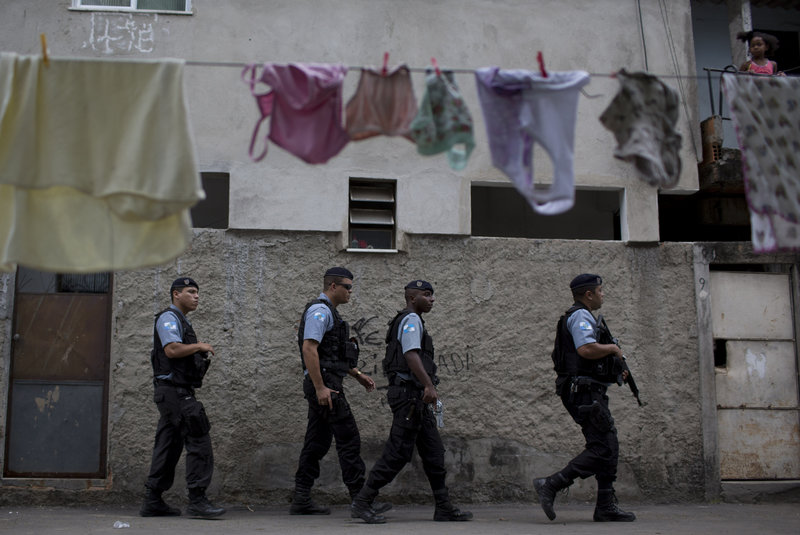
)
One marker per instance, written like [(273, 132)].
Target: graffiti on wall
[(370, 333), (112, 33)]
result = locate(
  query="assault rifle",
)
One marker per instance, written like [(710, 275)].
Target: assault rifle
[(618, 365)]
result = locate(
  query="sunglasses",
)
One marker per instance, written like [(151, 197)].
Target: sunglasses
[(348, 286)]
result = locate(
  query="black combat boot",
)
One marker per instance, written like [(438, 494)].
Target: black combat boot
[(446, 511), (362, 507), (154, 505), (200, 506), (607, 510), (547, 487), (302, 504), (377, 507)]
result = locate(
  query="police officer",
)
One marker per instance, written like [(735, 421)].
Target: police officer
[(579, 360), (328, 355), (411, 369), (179, 363)]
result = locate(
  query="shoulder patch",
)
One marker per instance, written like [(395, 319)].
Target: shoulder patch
[(584, 326), (409, 328), (320, 316), (170, 325)]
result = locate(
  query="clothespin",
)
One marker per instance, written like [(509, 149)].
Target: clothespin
[(45, 59), (540, 59), (436, 67), (385, 63)]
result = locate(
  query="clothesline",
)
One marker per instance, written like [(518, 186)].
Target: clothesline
[(236, 64)]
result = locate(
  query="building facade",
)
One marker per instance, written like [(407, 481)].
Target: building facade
[(269, 229)]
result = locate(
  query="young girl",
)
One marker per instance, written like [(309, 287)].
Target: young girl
[(761, 45)]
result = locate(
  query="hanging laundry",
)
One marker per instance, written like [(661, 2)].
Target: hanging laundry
[(97, 163), (642, 117), (383, 105), (766, 114), (443, 122), (520, 107), (305, 107)]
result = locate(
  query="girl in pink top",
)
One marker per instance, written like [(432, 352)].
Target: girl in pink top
[(761, 45)]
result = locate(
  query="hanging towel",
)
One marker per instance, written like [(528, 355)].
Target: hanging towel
[(97, 163), (766, 114), (520, 107), (642, 117), (443, 122), (304, 107), (383, 105)]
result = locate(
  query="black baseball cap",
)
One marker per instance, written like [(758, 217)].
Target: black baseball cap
[(586, 280), (419, 284), (182, 282)]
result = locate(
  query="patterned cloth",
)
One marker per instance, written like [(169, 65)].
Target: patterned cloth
[(766, 114), (642, 117), (443, 122)]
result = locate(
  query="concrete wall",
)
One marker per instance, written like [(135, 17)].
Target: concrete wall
[(497, 302)]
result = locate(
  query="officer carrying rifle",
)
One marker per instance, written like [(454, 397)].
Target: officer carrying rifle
[(587, 360)]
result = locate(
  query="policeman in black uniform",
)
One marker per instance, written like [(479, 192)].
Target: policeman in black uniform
[(179, 364), (411, 369), (583, 365), (328, 354)]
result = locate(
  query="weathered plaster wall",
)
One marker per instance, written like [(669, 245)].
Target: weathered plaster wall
[(497, 302)]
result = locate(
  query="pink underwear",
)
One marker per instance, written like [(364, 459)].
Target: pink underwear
[(305, 104), (382, 105)]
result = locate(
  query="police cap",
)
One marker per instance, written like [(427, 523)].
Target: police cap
[(182, 282), (585, 280), (339, 272), (419, 285)]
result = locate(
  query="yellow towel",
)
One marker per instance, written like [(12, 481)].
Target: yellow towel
[(97, 163)]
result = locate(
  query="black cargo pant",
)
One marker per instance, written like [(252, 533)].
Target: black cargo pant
[(324, 425), (413, 424), (588, 406), (183, 424)]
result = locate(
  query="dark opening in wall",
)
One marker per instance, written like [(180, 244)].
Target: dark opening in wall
[(212, 212), (500, 211), (720, 353)]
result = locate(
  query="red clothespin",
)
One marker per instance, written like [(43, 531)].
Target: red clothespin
[(436, 67), (45, 59), (540, 59), (385, 63)]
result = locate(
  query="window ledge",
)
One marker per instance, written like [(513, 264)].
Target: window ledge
[(360, 250)]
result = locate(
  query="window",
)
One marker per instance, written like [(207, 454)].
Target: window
[(212, 212), (500, 211), (372, 221), (162, 6)]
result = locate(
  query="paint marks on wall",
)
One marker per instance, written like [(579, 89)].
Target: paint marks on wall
[(47, 403), (756, 363), (112, 33)]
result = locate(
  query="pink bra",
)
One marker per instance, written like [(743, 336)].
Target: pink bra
[(305, 104)]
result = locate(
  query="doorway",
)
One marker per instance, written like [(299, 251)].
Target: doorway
[(58, 387), (756, 375)]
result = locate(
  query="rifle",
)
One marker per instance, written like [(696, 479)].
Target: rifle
[(601, 321)]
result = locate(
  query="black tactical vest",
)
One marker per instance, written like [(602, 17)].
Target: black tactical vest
[(186, 371), (566, 360), (395, 362), (335, 351)]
